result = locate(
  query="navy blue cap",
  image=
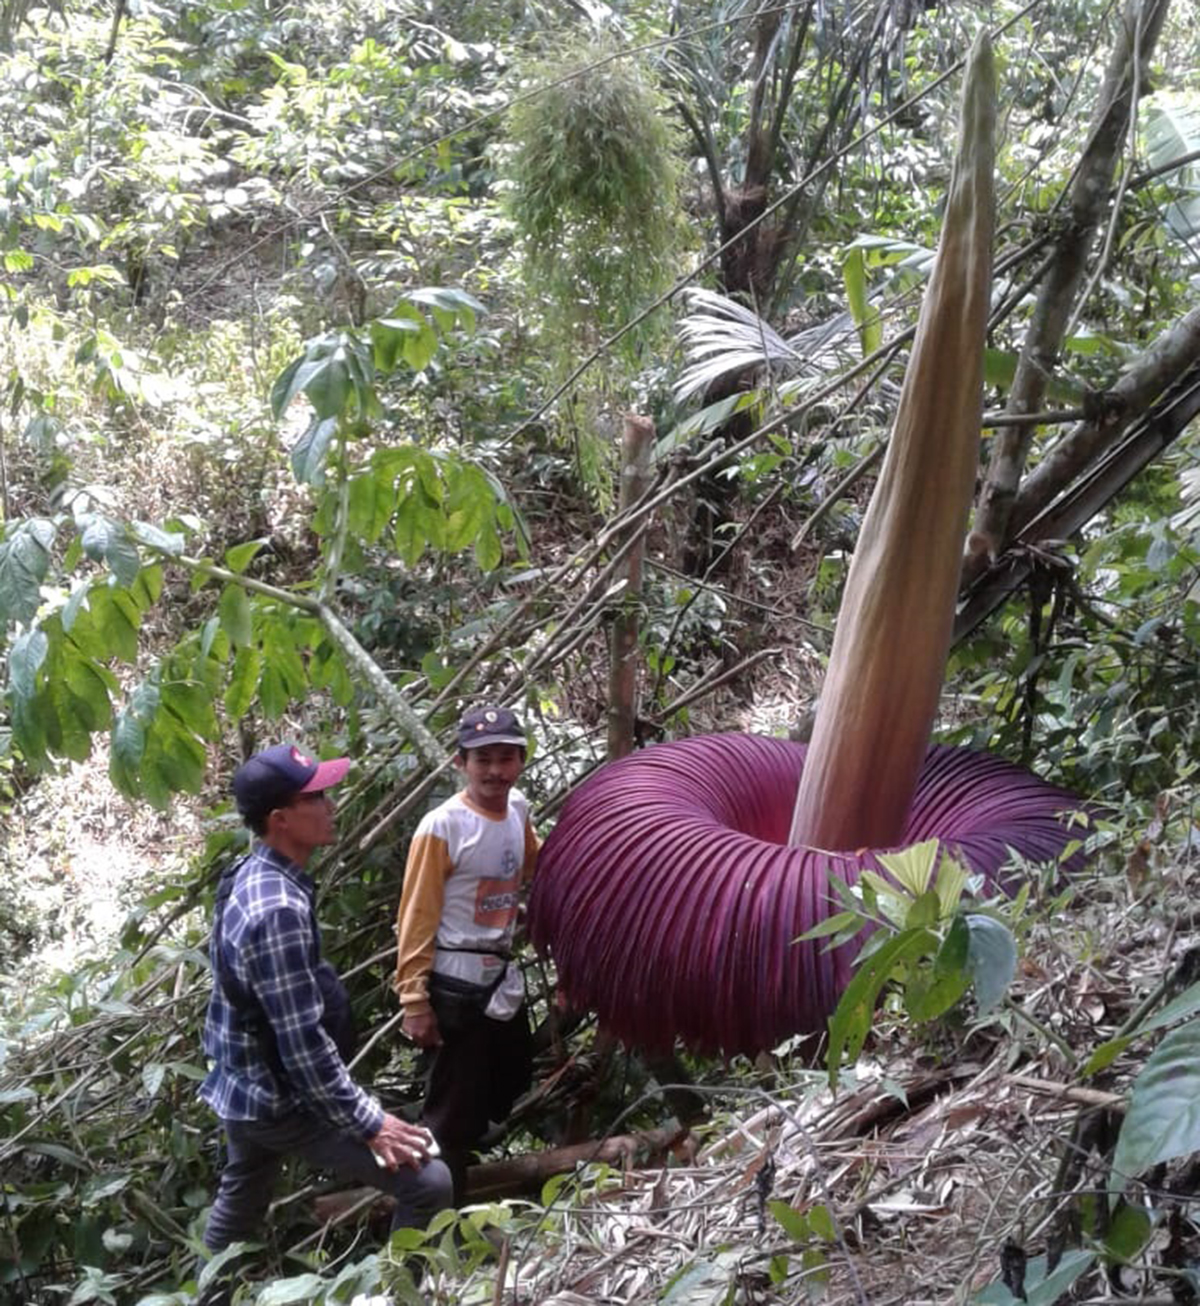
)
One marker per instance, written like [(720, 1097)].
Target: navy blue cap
[(274, 777), (489, 725)]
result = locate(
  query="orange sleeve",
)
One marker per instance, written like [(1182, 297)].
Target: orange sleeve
[(532, 847), (420, 912)]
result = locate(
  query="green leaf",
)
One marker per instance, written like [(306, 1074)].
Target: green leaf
[(285, 1292), (24, 561), (991, 958), (851, 1020), (92, 686), (116, 619), (1041, 1289), (792, 1222), (835, 924), (866, 319), (1163, 1120), (128, 743), (912, 868), (153, 1075), (108, 542), (821, 1222), (950, 977), (1129, 1230), (240, 556), (704, 1282), (25, 659), (1103, 1056), (1180, 1007), (309, 451), (146, 590), (243, 682), (237, 620), (192, 705), (153, 537)]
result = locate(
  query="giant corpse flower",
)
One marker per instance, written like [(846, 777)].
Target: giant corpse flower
[(674, 886)]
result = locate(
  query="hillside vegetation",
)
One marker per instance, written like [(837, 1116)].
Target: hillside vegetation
[(320, 330)]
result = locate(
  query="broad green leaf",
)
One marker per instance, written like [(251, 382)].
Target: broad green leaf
[(108, 541), (949, 977), (237, 620), (912, 868), (148, 586), (1163, 1119), (991, 958), (128, 743), (240, 556), (329, 385), (834, 924), (243, 682), (489, 552), (1129, 1231), (1041, 1289), (24, 561), (851, 1020), (116, 621), (102, 1187), (371, 500), (92, 685), (25, 659), (408, 535), (1103, 1056), (821, 1222), (791, 1221), (154, 537), (924, 910), (286, 1292), (292, 380), (309, 451), (192, 705), (1180, 1007), (708, 1281), (460, 305)]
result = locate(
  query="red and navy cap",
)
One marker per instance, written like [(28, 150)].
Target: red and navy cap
[(489, 725), (272, 778)]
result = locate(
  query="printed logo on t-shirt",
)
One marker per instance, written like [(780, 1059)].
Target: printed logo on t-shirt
[(496, 902)]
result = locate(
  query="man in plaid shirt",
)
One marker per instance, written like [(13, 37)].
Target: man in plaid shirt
[(278, 1079)]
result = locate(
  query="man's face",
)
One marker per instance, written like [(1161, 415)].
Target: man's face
[(491, 771), (309, 820)]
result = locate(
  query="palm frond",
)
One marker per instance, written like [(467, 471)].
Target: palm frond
[(1173, 132), (722, 338)]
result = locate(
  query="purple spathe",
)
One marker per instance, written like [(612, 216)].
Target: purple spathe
[(670, 902)]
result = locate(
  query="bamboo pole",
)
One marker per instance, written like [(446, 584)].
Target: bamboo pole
[(637, 453)]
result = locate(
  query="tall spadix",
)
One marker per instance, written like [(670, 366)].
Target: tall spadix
[(888, 660)]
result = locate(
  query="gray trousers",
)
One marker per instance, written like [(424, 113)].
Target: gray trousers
[(257, 1148)]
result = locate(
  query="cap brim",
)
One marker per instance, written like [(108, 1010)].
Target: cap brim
[(327, 775), (481, 741)]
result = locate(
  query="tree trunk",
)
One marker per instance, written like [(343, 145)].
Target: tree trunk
[(1141, 444), (637, 450), (1089, 199)]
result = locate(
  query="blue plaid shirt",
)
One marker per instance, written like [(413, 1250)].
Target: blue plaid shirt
[(272, 949)]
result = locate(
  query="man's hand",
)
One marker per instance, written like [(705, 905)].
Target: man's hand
[(423, 1029), (398, 1143)]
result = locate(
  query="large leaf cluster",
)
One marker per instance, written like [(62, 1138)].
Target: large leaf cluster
[(595, 175)]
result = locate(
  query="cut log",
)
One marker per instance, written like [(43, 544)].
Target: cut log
[(520, 1176)]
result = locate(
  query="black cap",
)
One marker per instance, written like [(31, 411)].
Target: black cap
[(274, 777), (490, 725)]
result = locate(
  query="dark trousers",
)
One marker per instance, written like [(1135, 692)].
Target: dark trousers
[(477, 1074), (257, 1148)]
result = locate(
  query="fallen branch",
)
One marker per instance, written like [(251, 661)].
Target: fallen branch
[(520, 1175)]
